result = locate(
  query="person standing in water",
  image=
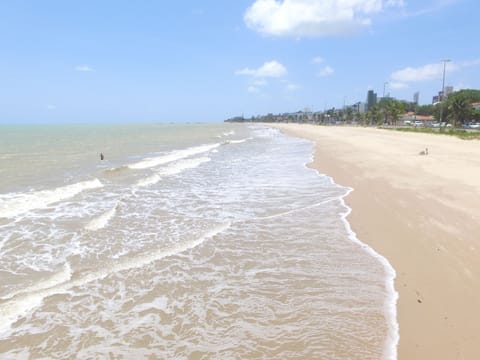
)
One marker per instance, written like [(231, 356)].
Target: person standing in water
[(101, 156)]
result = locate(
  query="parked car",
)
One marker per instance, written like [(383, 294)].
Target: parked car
[(418, 123)]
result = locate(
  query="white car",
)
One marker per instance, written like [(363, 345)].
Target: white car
[(418, 123)]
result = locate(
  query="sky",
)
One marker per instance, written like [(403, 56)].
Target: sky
[(196, 61)]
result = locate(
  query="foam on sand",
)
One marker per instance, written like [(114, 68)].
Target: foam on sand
[(14, 204)]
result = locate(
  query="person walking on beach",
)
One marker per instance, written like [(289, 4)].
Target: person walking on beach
[(101, 156)]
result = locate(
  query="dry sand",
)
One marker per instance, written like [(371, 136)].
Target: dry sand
[(423, 214)]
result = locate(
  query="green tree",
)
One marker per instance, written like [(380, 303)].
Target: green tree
[(349, 114), (475, 115), (374, 115), (359, 117), (459, 108), (425, 110), (394, 109), (391, 109)]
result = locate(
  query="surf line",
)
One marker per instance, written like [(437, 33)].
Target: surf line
[(390, 305), (20, 203), (19, 304)]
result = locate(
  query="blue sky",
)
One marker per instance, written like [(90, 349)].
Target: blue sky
[(117, 61)]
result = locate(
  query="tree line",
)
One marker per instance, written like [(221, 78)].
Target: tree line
[(456, 109)]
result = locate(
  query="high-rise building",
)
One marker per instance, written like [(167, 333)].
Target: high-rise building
[(361, 107), (440, 97), (448, 90), (371, 99), (416, 98)]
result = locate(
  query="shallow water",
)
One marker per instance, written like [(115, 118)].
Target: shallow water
[(188, 241)]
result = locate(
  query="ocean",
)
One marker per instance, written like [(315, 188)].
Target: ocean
[(188, 241)]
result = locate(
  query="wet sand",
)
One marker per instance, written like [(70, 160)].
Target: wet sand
[(422, 212)]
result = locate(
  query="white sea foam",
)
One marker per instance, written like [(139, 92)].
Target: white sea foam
[(116, 169), (14, 204), (58, 278), (173, 169), (181, 166), (20, 304), (393, 337), (159, 303), (173, 156), (150, 180), (102, 220), (240, 141)]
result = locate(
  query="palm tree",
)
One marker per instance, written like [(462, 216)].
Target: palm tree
[(394, 109), (359, 117), (459, 108)]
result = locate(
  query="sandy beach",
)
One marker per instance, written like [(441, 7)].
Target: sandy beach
[(423, 214)]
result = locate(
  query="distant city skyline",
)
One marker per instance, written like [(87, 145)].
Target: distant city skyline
[(152, 61)]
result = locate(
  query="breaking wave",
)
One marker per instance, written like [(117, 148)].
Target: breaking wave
[(14, 204), (172, 156)]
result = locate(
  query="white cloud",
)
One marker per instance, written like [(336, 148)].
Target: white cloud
[(318, 60), (253, 89), (326, 71), (51, 107), (430, 71), (422, 73), (83, 68), (398, 85), (268, 69), (393, 3), (313, 17)]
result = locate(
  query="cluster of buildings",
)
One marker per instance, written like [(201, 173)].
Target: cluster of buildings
[(330, 116), (348, 112)]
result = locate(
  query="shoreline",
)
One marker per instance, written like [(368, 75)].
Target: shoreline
[(422, 213), (392, 338)]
